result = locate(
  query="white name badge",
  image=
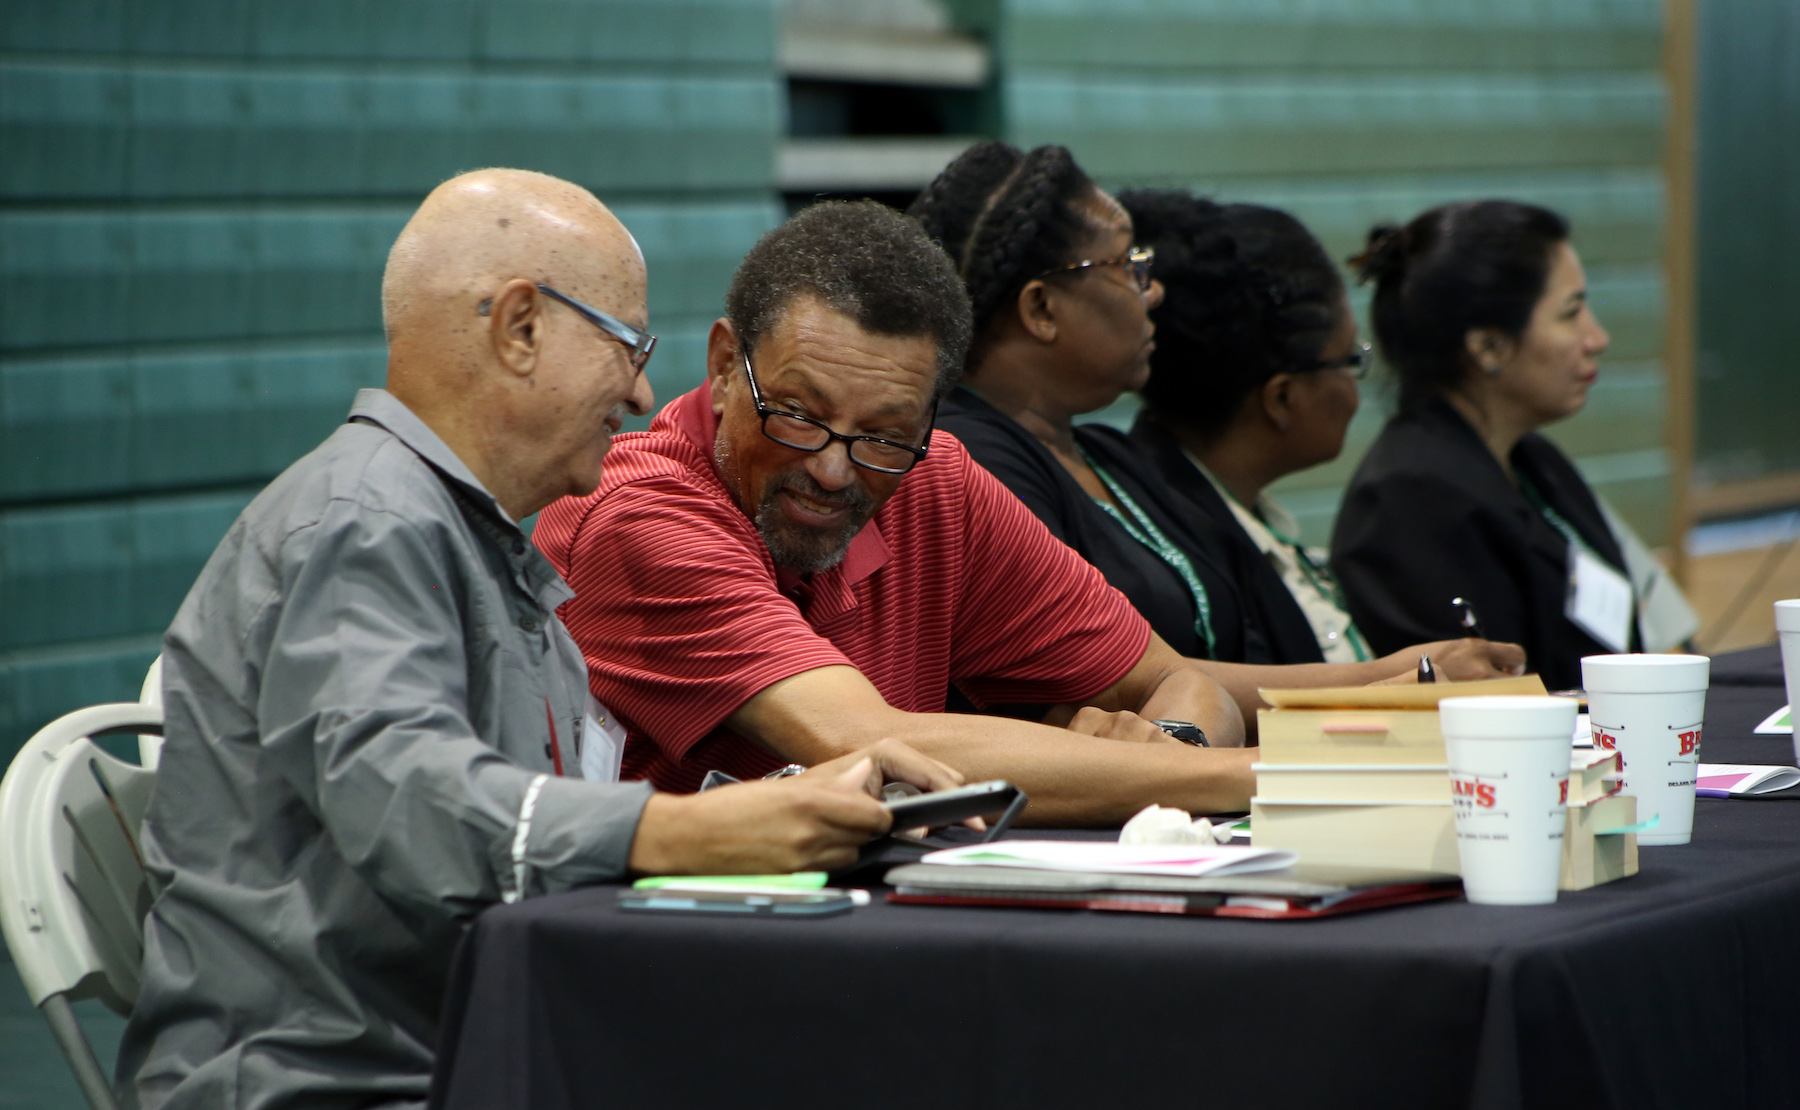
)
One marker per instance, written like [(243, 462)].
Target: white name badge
[(602, 743), (1599, 599)]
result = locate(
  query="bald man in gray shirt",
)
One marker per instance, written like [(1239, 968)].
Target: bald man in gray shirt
[(375, 719)]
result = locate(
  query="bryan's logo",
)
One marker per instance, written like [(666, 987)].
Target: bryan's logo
[(1478, 793), (1690, 740), (1604, 739), (1562, 798)]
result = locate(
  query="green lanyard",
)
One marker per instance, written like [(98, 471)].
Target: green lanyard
[(1141, 528), (1327, 586)]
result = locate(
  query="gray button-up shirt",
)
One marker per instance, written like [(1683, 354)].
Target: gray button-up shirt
[(361, 694)]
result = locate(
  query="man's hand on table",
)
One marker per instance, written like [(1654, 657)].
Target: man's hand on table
[(810, 822), (1465, 660)]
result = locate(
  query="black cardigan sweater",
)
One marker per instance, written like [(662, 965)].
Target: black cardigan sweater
[(1027, 468), (1430, 515), (1270, 603)]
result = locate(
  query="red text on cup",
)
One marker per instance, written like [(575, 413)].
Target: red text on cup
[(1480, 793)]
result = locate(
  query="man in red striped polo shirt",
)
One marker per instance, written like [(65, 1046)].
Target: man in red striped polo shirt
[(790, 564)]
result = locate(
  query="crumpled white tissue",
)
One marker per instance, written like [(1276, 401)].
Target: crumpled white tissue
[(1163, 825)]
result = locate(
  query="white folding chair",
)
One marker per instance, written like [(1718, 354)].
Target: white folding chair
[(150, 744), (73, 891)]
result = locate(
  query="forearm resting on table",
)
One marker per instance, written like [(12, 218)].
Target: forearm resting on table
[(1457, 661), (1072, 779)]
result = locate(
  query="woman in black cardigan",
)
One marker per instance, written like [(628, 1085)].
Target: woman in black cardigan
[(1061, 299), (1481, 309), (1254, 377)]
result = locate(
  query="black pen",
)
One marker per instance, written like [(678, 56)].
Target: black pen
[(1427, 671), (1466, 617)]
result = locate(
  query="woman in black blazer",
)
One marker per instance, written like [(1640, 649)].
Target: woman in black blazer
[(1481, 309)]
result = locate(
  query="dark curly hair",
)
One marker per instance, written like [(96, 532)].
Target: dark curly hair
[(1247, 294), (1006, 217), (862, 259), (1458, 267)]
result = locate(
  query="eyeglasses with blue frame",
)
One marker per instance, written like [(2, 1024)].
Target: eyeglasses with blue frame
[(638, 341)]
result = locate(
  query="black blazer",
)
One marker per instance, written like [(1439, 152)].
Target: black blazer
[(1027, 468), (1430, 516), (1271, 605)]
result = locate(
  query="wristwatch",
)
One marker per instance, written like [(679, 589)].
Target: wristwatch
[(1185, 731)]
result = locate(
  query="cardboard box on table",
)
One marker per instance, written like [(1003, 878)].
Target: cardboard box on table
[(1358, 776)]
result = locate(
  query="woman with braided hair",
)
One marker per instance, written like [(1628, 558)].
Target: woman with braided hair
[(1481, 308), (1061, 300), (1254, 378)]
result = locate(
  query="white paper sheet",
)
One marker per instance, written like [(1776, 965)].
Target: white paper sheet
[(1124, 859)]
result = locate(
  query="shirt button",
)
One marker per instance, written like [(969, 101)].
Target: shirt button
[(518, 547), (530, 623)]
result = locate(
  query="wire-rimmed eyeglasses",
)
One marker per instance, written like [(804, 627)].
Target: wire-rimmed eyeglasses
[(803, 433), (638, 341), (1137, 262)]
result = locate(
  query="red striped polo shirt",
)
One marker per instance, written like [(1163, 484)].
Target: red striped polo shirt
[(682, 620)]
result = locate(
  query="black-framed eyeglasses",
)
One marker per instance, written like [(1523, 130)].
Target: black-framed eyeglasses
[(1357, 362), (640, 342), (1137, 262), (803, 433)]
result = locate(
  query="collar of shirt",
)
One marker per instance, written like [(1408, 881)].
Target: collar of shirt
[(829, 592), (390, 414)]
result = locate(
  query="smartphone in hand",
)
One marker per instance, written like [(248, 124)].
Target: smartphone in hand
[(945, 807)]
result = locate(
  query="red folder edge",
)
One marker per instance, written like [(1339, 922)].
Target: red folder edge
[(1369, 900)]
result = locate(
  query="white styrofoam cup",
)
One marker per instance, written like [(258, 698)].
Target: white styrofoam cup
[(1650, 708), (1787, 627), (1509, 788)]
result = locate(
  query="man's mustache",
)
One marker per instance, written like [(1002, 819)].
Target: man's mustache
[(850, 497)]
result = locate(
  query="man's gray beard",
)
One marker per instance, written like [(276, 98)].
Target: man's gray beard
[(796, 547), (799, 548)]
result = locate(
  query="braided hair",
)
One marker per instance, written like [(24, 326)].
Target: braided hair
[(1453, 269), (1006, 217), (1248, 293)]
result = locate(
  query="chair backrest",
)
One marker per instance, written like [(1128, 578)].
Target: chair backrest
[(150, 745), (73, 891)]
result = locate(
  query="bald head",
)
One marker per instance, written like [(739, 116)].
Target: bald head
[(526, 390), (481, 228)]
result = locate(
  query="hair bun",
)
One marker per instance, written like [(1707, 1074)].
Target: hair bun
[(1384, 256)]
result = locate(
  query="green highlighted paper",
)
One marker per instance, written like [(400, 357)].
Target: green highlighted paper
[(747, 884)]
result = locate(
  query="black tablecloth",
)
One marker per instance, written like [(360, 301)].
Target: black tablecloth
[(1676, 988), (1753, 667)]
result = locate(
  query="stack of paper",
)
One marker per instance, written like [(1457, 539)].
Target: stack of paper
[(1208, 882), (1721, 780), (1356, 775), (1186, 860)]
